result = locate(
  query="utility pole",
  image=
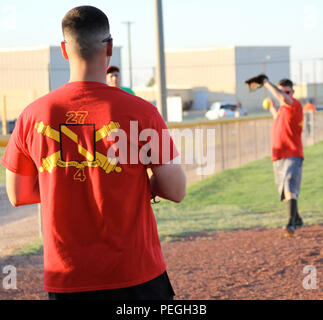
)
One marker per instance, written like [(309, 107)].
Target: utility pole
[(301, 78), (129, 23), (263, 62), (160, 61), (264, 71), (314, 83)]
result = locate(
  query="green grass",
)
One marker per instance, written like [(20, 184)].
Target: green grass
[(240, 198), (35, 247), (2, 168)]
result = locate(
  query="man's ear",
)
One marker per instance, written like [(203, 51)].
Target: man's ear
[(63, 48), (110, 48)]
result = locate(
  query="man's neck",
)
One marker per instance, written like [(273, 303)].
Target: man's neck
[(82, 71), (87, 77)]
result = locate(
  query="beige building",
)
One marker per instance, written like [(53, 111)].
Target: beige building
[(311, 91), (30, 72), (218, 73)]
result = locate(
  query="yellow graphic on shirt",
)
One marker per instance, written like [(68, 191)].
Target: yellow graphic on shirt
[(109, 165), (47, 131), (76, 117), (301, 123)]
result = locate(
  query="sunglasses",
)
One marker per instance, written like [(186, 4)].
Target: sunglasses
[(104, 40), (107, 39)]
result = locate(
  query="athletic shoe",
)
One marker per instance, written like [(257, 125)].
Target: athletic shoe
[(289, 230), (299, 224)]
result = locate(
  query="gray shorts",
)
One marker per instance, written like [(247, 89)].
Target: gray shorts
[(288, 175)]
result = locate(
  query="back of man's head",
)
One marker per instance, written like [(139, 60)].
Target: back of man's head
[(84, 28), (286, 83)]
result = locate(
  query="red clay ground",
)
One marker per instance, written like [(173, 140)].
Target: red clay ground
[(245, 264)]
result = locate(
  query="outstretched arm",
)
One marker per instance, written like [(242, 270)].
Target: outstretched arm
[(272, 108), (21, 189), (283, 98)]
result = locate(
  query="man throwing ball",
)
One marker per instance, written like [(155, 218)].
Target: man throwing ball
[(287, 148)]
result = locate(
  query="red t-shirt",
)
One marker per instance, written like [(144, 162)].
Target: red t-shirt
[(309, 107), (287, 132), (99, 230)]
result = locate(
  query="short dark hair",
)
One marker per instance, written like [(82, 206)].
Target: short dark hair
[(286, 83), (85, 25), (111, 69)]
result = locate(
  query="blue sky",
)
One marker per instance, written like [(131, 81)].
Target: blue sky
[(187, 24)]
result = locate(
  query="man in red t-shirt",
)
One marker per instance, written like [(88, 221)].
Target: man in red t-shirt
[(83, 151), (287, 148), (309, 106), (308, 111)]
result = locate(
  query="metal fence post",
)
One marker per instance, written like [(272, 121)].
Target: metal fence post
[(4, 116), (222, 147), (203, 145), (40, 224), (239, 143), (313, 127), (256, 140)]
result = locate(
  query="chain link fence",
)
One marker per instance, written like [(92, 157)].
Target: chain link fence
[(233, 143), (206, 148)]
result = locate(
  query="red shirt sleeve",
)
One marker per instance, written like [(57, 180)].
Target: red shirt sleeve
[(16, 157)]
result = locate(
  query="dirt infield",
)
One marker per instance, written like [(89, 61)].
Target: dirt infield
[(244, 264)]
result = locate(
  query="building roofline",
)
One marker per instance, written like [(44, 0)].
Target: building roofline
[(214, 48), (199, 49), (29, 48), (32, 48), (265, 47)]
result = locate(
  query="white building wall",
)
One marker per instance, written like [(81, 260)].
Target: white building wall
[(307, 91), (251, 61), (23, 77), (211, 68), (222, 71), (59, 66), (24, 68), (30, 72), (116, 57), (59, 73)]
